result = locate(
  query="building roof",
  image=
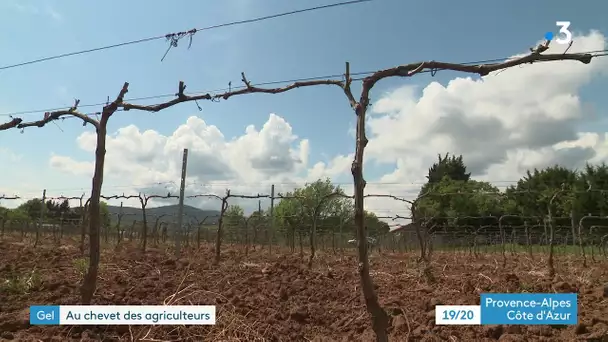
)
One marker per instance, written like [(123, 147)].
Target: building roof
[(407, 227)]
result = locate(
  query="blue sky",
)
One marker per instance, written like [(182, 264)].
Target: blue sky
[(371, 36)]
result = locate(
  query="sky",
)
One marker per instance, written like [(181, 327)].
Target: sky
[(503, 124)]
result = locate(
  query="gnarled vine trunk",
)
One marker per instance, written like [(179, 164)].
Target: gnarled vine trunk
[(380, 319), (90, 280)]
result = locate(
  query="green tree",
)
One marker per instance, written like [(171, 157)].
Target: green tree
[(334, 213), (53, 209), (106, 219), (31, 208), (18, 215), (234, 215), (534, 191), (593, 178), (582, 196), (450, 166), (375, 227), (233, 221), (257, 220), (258, 217), (296, 213), (593, 201), (446, 167), (473, 202)]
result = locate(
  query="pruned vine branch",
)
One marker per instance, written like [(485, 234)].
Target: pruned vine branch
[(406, 70), (108, 110), (143, 198), (123, 196), (398, 217), (63, 198), (56, 115), (390, 196), (11, 124), (228, 195), (534, 56)]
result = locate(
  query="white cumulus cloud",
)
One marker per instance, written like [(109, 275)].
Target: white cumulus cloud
[(502, 124)]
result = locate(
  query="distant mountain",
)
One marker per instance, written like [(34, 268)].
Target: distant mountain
[(169, 213)]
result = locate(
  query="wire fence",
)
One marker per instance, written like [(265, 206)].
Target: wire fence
[(508, 233), (450, 238)]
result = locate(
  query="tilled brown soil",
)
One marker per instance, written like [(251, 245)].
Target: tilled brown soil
[(262, 297)]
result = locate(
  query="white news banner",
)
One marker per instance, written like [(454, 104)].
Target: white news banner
[(122, 315)]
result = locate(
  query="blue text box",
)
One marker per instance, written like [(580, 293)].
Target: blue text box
[(44, 315), (529, 308)]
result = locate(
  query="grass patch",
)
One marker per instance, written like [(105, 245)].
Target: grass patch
[(81, 265), (21, 284)]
